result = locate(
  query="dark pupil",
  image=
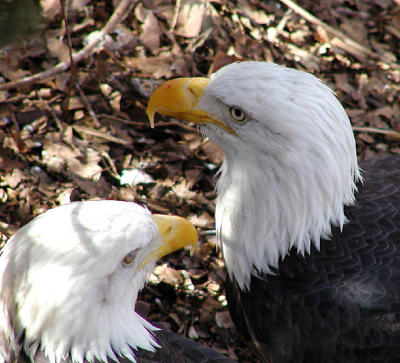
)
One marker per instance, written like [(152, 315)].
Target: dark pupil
[(237, 112)]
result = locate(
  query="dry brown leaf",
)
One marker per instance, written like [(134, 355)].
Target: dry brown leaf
[(395, 19), (223, 319), (140, 12), (355, 29), (100, 188), (202, 220), (87, 166), (181, 189), (150, 36), (210, 304), (170, 275), (213, 152), (222, 59), (193, 139), (256, 14), (75, 103), (50, 8), (366, 138), (12, 179), (124, 36), (58, 49), (10, 67), (213, 287), (167, 64), (79, 4), (384, 50), (193, 176), (342, 82), (64, 159), (386, 111), (206, 317), (158, 67), (190, 18)]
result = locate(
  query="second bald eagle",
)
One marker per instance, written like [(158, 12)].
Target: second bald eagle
[(311, 246)]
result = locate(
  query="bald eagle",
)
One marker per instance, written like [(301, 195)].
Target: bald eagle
[(69, 280), (311, 240)]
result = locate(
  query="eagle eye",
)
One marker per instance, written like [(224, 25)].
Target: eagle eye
[(129, 258), (237, 114)]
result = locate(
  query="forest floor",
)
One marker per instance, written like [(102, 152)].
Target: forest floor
[(80, 132)]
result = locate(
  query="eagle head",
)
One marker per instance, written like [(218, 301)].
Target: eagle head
[(289, 165)]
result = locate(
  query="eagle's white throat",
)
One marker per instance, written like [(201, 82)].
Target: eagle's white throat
[(289, 171)]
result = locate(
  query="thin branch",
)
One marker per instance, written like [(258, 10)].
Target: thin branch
[(175, 15), (190, 127), (393, 30), (120, 119), (145, 123), (373, 130), (348, 44), (73, 64), (101, 135), (112, 169), (88, 106), (51, 111), (118, 16)]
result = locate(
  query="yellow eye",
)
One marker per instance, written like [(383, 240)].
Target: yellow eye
[(129, 258), (238, 114)]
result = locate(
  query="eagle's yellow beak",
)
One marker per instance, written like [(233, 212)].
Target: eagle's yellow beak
[(176, 232), (179, 98)]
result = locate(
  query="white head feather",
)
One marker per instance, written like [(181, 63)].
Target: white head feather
[(63, 286), (288, 171)]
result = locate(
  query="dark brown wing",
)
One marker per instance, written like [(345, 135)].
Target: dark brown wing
[(339, 304)]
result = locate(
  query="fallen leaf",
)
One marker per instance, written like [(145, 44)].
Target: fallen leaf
[(190, 18), (213, 152), (223, 319), (150, 36), (58, 49)]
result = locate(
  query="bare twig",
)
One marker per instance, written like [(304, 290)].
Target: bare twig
[(118, 16), (112, 169), (178, 124), (145, 123), (392, 30), (282, 23), (120, 119), (175, 15), (88, 106), (347, 43), (51, 111), (71, 59), (101, 135), (389, 133)]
